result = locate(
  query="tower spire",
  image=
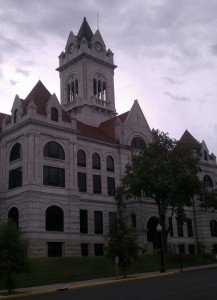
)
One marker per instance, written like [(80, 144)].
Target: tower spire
[(85, 31)]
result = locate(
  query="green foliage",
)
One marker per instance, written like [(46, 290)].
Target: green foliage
[(208, 198), (13, 259), (167, 172), (122, 240)]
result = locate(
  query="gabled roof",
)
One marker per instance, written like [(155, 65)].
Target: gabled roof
[(40, 96), (188, 138), (85, 31), (109, 125)]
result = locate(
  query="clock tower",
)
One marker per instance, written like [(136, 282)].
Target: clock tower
[(86, 71)]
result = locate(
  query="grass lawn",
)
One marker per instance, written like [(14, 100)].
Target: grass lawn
[(67, 269)]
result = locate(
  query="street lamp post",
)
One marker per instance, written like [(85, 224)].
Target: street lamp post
[(159, 230)]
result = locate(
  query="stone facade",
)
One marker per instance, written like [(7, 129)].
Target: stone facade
[(60, 162)]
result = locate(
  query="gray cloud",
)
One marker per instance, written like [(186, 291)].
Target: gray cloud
[(176, 97), (173, 81), (25, 73), (213, 49), (9, 45), (13, 82)]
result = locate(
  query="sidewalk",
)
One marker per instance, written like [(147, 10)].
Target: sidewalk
[(21, 292)]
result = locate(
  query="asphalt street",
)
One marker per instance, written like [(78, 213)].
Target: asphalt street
[(198, 285)]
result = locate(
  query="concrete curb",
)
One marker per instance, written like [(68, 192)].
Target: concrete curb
[(24, 292)]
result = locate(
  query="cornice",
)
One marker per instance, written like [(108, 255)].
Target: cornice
[(89, 57)]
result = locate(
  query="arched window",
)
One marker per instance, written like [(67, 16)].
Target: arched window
[(213, 228), (54, 219), (15, 152), (205, 156), (81, 158), (96, 161), (208, 181), (13, 215), (15, 116), (54, 114), (72, 89), (54, 150), (152, 234), (138, 143), (110, 163), (99, 87)]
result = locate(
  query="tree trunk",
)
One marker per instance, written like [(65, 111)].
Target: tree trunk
[(162, 220)]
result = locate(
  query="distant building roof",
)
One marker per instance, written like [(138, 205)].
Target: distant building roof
[(188, 138)]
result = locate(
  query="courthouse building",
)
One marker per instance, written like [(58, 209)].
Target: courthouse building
[(60, 162)]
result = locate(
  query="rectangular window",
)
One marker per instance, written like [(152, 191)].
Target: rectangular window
[(111, 185), (83, 221), (15, 178), (189, 228), (171, 226), (180, 227), (98, 249), (82, 182), (53, 176), (54, 249), (97, 184), (84, 249), (98, 222)]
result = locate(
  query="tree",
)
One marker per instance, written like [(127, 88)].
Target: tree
[(122, 240), (165, 171), (13, 256)]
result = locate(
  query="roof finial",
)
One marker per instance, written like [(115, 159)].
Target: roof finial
[(97, 16)]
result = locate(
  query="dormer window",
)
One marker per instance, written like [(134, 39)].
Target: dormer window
[(54, 114), (138, 143), (205, 156), (15, 116), (99, 87), (72, 90)]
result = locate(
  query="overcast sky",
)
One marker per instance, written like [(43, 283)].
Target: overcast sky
[(166, 52)]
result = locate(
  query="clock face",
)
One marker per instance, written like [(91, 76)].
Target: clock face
[(71, 48), (98, 46)]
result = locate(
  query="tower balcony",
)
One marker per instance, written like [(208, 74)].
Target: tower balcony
[(100, 102)]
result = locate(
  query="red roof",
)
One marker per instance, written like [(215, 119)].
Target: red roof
[(105, 131), (40, 96), (93, 132), (109, 125)]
